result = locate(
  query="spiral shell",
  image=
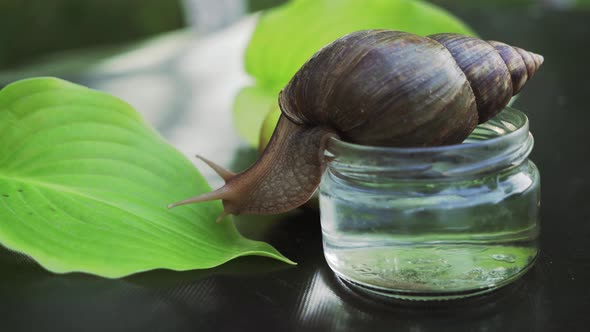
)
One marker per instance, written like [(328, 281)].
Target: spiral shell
[(392, 88)]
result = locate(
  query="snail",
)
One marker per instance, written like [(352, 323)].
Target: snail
[(380, 88)]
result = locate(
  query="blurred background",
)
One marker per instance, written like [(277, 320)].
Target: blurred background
[(181, 65), (31, 30)]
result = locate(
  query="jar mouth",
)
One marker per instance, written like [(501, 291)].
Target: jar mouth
[(498, 143)]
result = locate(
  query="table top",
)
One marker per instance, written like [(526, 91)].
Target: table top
[(256, 293)]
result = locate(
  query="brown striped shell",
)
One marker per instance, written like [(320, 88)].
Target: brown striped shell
[(392, 88), (374, 87)]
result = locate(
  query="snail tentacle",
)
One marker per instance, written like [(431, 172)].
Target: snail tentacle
[(222, 172)]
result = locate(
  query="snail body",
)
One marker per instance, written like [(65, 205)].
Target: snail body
[(380, 88)]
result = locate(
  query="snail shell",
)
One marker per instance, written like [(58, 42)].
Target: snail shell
[(375, 87)]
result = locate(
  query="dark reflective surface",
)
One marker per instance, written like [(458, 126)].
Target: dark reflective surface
[(260, 294)]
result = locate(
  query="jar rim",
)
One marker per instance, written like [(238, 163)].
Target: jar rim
[(521, 128), (497, 143)]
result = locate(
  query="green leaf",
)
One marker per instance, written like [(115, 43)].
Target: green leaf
[(268, 127), (287, 36), (84, 185), (250, 119)]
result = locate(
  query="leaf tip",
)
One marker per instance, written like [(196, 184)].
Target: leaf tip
[(290, 262)]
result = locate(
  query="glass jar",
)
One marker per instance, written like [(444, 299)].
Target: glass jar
[(433, 222)]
